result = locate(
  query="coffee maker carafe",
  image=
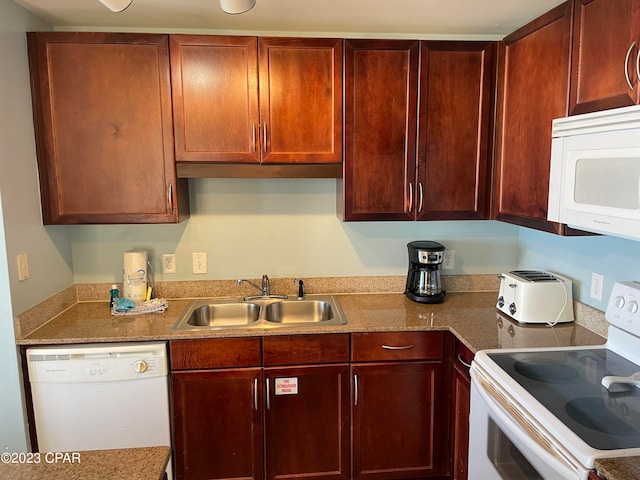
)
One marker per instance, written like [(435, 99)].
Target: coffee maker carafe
[(423, 278)]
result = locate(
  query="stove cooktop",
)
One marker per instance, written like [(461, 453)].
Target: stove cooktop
[(568, 384)]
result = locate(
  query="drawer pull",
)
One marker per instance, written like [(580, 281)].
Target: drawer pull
[(400, 347), (461, 360)]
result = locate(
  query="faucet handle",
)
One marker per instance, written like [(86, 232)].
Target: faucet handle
[(300, 288)]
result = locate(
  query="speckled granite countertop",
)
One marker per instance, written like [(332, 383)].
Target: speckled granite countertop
[(619, 468), (472, 317), (148, 463)]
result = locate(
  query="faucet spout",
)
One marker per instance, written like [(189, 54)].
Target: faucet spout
[(243, 280), (266, 286)]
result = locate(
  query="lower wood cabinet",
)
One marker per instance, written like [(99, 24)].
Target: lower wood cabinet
[(234, 419), (397, 404), (318, 406), (460, 409)]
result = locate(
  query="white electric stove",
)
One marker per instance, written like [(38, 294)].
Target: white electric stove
[(546, 413)]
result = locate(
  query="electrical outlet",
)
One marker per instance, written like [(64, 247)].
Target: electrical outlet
[(23, 266), (597, 284), (448, 260), (168, 263), (199, 262)]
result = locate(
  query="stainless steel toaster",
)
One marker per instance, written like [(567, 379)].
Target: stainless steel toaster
[(532, 296)]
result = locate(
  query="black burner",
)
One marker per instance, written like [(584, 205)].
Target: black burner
[(593, 413), (546, 370)]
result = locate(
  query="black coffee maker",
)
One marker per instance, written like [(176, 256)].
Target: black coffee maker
[(423, 278)]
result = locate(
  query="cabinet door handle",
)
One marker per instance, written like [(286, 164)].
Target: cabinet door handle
[(421, 197), (170, 197), (253, 136), (268, 398), (638, 66), (355, 390), (264, 137), (399, 347), (461, 360), (626, 65), (255, 393), (410, 196)]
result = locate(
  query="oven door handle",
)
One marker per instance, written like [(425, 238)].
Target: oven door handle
[(527, 436)]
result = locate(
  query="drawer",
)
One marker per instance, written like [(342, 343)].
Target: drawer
[(305, 349), (214, 353), (369, 347)]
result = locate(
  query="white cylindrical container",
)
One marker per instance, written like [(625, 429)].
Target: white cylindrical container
[(134, 275)]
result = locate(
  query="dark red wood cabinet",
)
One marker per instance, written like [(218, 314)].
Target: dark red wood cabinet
[(103, 124), (461, 407), (411, 157), (234, 415), (257, 100), (455, 131), (398, 427), (606, 55), (533, 89)]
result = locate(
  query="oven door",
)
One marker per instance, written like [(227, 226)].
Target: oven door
[(501, 447)]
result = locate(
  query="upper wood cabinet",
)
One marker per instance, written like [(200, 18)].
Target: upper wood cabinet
[(606, 55), (381, 93), (410, 158), (252, 100), (533, 90), (103, 123), (455, 130)]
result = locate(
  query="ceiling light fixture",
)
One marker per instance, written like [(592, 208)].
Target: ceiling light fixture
[(235, 7), (116, 5)]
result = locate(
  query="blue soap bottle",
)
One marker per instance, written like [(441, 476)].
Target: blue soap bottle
[(115, 294)]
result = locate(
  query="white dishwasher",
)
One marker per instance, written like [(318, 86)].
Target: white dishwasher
[(100, 396)]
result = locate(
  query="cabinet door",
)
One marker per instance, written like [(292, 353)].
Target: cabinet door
[(215, 98), (461, 400), (533, 90), (606, 52), (381, 82), (301, 100), (454, 139), (102, 112), (217, 424), (307, 422), (397, 420)]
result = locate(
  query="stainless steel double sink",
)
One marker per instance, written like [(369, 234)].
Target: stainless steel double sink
[(261, 312)]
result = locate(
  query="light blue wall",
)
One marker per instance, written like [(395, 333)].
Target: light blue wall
[(577, 257), (284, 227), (20, 221)]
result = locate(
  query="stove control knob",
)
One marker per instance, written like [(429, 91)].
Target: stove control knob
[(619, 301), (501, 301), (140, 366), (632, 307), (512, 309)]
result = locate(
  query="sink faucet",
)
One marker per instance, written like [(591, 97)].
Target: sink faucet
[(265, 289)]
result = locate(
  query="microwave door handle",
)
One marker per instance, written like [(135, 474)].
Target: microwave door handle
[(557, 460)]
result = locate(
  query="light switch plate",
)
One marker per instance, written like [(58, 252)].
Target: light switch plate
[(23, 266), (199, 262)]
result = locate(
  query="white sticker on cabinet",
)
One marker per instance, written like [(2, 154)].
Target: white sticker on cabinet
[(287, 386)]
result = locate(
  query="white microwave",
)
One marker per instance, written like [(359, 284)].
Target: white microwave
[(594, 182)]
